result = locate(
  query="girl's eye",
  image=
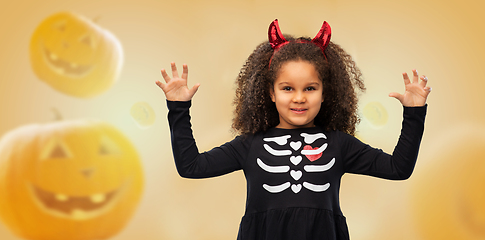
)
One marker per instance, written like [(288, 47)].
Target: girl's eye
[(310, 89), (287, 88)]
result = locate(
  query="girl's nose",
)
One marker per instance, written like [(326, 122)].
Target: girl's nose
[(299, 97)]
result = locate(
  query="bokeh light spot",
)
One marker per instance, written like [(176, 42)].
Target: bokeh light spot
[(376, 114), (143, 114)]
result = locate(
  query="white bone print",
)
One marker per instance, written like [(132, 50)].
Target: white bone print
[(319, 168), (271, 169), (276, 152), (278, 188), (278, 140), (316, 188), (311, 138), (316, 151), (296, 158)]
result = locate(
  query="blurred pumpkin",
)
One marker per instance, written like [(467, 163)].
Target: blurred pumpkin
[(74, 55), (77, 180)]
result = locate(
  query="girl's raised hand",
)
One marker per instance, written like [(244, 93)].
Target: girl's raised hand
[(176, 88), (416, 91)]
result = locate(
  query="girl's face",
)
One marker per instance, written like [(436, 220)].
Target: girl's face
[(298, 94)]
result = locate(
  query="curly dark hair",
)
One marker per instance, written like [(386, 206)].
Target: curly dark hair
[(341, 79)]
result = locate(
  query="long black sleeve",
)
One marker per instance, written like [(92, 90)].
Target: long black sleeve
[(192, 164), (363, 159)]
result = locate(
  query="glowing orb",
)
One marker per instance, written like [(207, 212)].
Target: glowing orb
[(376, 114), (143, 114)]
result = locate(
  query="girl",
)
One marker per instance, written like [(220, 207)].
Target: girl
[(296, 111)]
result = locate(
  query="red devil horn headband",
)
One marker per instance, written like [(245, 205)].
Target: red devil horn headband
[(276, 39), (275, 36), (322, 39)]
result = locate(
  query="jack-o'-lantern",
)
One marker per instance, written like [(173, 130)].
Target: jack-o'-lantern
[(76, 180), (74, 55)]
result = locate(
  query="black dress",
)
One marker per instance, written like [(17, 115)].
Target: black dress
[(293, 175)]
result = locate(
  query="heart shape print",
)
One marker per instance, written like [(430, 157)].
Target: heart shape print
[(295, 145), (296, 174), (295, 160), (312, 158), (296, 188)]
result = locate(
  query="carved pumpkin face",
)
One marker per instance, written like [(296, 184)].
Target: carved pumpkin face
[(78, 180), (74, 55)]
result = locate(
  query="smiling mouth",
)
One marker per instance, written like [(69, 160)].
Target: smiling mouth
[(63, 67), (298, 110), (75, 207)]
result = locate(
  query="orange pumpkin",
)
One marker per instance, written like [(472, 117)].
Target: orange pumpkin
[(77, 180), (74, 55)]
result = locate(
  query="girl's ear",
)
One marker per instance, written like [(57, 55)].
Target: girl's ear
[(271, 93)]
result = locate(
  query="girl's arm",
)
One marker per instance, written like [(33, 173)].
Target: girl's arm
[(360, 158), (363, 159), (190, 163)]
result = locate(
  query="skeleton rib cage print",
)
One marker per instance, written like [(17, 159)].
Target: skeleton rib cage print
[(295, 153)]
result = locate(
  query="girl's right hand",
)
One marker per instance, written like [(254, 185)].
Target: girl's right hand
[(176, 88)]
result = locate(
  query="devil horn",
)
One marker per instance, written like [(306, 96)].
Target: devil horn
[(323, 36), (275, 37)]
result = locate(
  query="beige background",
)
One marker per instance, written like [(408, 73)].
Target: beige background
[(442, 39)]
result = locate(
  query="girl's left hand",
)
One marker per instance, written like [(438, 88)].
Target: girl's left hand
[(416, 91)]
